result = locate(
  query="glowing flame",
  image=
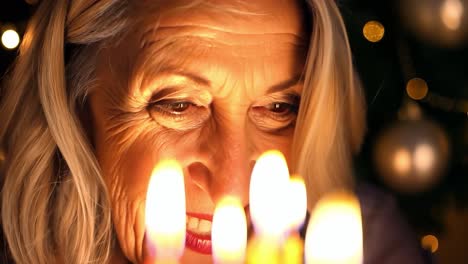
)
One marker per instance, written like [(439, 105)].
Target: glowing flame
[(334, 233), (297, 203), (229, 232), (165, 215), (268, 189)]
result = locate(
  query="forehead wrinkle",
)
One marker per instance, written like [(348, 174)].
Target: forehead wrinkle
[(216, 34)]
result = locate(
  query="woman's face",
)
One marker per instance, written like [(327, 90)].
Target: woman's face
[(210, 87)]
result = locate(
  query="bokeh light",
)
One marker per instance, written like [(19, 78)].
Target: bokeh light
[(424, 158), (451, 13), (417, 88), (10, 39), (430, 242), (373, 31), (402, 161)]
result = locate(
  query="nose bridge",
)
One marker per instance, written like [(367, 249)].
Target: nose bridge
[(231, 165)]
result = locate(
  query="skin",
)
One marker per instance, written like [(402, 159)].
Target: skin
[(222, 93)]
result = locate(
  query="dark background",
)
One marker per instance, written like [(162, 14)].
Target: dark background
[(385, 67)]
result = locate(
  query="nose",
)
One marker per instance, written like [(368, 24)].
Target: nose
[(227, 170)]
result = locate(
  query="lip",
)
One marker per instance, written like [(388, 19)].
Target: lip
[(196, 242)]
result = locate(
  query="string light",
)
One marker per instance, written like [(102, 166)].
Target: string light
[(447, 104), (416, 88), (10, 39), (373, 31), (430, 242)]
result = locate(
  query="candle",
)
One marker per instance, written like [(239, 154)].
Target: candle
[(334, 232), (229, 232), (297, 210), (165, 216), (268, 207), (297, 203), (268, 192)]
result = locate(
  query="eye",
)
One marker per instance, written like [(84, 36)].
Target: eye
[(175, 108), (178, 115), (275, 116), (282, 108)]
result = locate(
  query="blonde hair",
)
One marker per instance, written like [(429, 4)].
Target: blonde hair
[(331, 120), (54, 201)]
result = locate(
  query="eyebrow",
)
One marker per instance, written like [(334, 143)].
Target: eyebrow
[(205, 82), (286, 84)]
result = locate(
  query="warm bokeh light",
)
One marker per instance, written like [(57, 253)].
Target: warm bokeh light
[(424, 158), (373, 31), (268, 189), (297, 200), (165, 215), (402, 161), (10, 39), (293, 251), (229, 232), (417, 88), (451, 13), (263, 250), (334, 234), (430, 242)]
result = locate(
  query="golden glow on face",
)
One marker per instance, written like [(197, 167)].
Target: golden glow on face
[(212, 91)]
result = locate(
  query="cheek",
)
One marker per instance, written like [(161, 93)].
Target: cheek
[(127, 174)]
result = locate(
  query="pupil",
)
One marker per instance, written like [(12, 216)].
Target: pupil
[(279, 107), (180, 107)]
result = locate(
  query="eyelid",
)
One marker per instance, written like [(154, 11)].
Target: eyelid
[(288, 97), (195, 96)]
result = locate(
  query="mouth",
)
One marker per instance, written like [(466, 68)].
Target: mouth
[(198, 235)]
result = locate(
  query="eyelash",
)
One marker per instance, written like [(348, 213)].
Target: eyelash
[(283, 119), (191, 116), (178, 113)]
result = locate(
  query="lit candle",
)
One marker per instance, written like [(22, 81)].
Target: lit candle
[(229, 232), (297, 203), (297, 210), (268, 207), (334, 232), (165, 215)]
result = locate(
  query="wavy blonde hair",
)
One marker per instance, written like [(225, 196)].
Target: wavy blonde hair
[(54, 202)]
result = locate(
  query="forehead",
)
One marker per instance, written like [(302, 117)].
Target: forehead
[(216, 39), (238, 17)]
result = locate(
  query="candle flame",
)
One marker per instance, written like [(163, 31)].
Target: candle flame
[(229, 232), (297, 203), (268, 191), (334, 233), (165, 215)]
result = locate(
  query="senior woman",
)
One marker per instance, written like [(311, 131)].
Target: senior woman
[(103, 89)]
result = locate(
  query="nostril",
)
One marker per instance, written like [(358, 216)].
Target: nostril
[(200, 175)]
